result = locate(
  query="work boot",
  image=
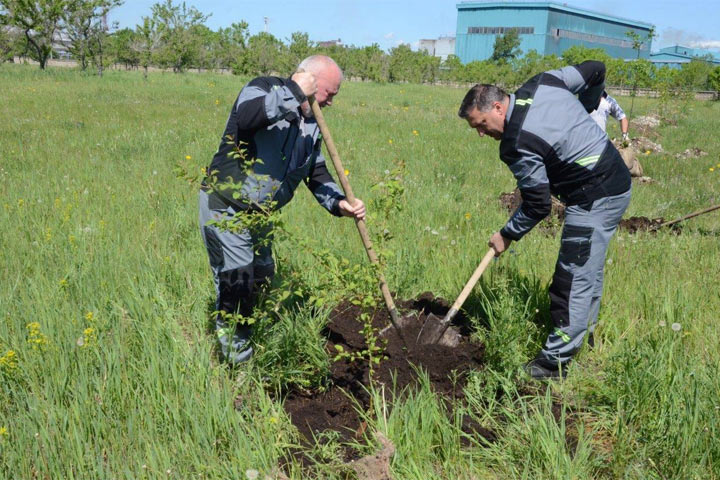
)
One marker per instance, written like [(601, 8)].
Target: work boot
[(539, 370), (234, 345)]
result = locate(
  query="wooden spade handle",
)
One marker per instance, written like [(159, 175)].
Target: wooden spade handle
[(362, 228), (473, 280), (694, 214)]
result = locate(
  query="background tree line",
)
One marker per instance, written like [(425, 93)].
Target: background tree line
[(174, 36)]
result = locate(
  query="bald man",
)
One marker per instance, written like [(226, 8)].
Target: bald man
[(271, 120)]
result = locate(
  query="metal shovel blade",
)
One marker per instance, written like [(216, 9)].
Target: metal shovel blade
[(437, 330)]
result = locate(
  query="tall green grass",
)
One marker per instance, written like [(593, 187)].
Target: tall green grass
[(106, 291)]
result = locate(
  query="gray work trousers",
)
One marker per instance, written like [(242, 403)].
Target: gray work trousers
[(239, 262), (577, 284)]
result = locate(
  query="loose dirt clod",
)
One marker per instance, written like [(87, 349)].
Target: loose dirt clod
[(648, 121), (377, 466), (511, 201), (640, 224), (335, 407), (690, 153), (644, 145)]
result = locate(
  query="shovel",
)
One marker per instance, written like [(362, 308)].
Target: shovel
[(434, 328), (694, 214), (395, 318)]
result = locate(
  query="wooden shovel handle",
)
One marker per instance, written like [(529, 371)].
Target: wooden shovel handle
[(473, 280), (694, 214), (362, 228)]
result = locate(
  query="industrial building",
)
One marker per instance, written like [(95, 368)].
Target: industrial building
[(440, 47), (547, 27), (677, 55)]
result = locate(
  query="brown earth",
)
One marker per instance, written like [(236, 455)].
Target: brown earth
[(335, 407), (691, 153), (644, 224), (512, 201)]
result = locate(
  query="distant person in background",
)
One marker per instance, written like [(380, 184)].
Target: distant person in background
[(609, 106), (271, 121), (551, 145)]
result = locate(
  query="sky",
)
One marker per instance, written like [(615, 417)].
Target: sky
[(694, 23)]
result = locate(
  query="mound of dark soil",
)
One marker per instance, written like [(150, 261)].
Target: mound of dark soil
[(644, 224), (335, 407)]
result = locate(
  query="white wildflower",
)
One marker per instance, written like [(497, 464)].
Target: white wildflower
[(252, 474), (676, 327)]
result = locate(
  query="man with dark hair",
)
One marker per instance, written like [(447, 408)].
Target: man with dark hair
[(552, 145), (609, 106), (271, 143)]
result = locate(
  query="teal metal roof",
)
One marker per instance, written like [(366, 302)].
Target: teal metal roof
[(662, 56), (552, 6)]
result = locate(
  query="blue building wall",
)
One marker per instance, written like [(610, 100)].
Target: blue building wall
[(554, 28)]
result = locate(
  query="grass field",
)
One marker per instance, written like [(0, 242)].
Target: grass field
[(107, 368)]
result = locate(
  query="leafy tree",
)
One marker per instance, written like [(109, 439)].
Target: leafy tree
[(580, 53), (372, 64), (231, 43), (39, 20), (265, 54), (714, 79), (403, 65), (695, 74), (145, 42), (177, 28), (637, 42), (451, 68), (506, 47), (121, 49), (10, 42), (83, 25), (533, 63), (300, 47)]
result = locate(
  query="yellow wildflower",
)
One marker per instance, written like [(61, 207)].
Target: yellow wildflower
[(347, 172), (63, 282), (8, 362), (36, 338), (20, 202), (647, 152), (88, 339), (415, 132), (712, 169), (390, 141), (467, 216), (3, 432), (89, 316), (273, 420), (188, 157), (217, 102)]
